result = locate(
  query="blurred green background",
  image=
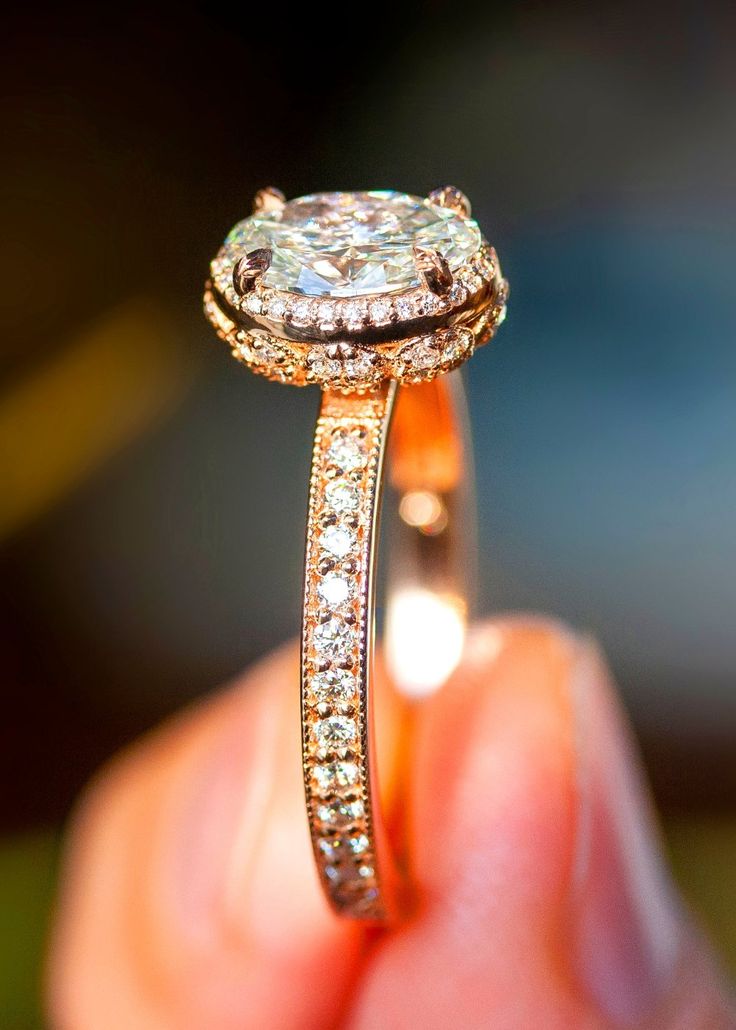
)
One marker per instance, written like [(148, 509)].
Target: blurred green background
[(147, 550)]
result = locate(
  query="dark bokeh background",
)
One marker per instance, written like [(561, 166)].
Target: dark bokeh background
[(153, 492)]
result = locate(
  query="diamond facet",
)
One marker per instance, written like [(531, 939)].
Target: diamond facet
[(422, 354), (337, 541), (347, 453), (334, 687), (380, 311), (276, 307), (334, 589), (342, 497), (335, 775), (361, 366), (337, 731), (353, 244), (340, 813), (322, 365), (358, 843), (333, 638)]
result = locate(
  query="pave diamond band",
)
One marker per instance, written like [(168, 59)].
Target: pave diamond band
[(336, 645), (429, 469)]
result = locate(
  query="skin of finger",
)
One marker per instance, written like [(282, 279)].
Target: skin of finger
[(189, 896), (127, 952), (691, 989), (493, 789)]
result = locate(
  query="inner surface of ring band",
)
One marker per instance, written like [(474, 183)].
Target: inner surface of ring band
[(426, 609), (432, 544)]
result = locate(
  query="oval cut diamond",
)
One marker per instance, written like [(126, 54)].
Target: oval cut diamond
[(353, 244)]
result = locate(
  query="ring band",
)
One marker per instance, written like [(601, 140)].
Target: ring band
[(429, 470), (386, 361)]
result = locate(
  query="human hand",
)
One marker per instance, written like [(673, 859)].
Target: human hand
[(190, 900)]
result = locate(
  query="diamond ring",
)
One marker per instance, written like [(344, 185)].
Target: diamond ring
[(377, 297)]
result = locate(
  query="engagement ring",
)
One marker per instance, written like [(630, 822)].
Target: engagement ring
[(377, 297)]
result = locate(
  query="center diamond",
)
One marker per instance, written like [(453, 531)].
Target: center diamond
[(352, 244)]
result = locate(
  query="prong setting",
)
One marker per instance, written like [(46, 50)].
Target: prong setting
[(341, 351), (293, 310), (452, 198), (435, 270), (268, 200), (249, 269)]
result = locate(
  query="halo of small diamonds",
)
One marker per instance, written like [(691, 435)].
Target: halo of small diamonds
[(343, 317), (300, 323)]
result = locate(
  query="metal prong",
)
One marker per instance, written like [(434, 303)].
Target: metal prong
[(267, 200), (341, 351), (452, 198), (249, 269), (434, 268)]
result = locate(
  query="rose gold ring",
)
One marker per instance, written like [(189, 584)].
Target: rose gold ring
[(378, 297)]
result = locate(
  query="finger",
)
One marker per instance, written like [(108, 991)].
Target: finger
[(543, 898), (190, 898)]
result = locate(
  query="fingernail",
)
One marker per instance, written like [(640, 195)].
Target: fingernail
[(627, 920)]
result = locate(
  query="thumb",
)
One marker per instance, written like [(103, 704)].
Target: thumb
[(544, 897)]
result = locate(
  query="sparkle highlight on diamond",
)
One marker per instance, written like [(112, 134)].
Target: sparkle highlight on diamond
[(353, 244)]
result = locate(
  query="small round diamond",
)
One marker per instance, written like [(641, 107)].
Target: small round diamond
[(422, 355), (362, 366), (264, 352), (301, 312), (458, 293), (276, 308), (254, 304), (380, 311), (326, 313), (330, 848), (322, 365), (348, 453), (337, 541), (335, 687), (337, 731), (334, 589), (429, 304), (457, 345), (333, 638), (354, 313), (333, 873), (340, 813), (342, 497), (335, 775), (358, 843), (406, 307)]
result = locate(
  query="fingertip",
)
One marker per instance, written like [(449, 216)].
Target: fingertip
[(492, 816), (190, 894), (495, 767), (544, 899)]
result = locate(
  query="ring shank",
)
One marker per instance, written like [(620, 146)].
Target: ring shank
[(431, 554)]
